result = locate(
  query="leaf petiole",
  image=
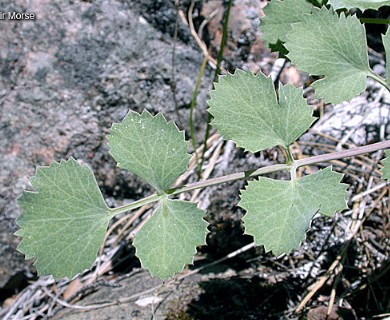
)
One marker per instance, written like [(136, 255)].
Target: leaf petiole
[(254, 173), (379, 79), (136, 204), (291, 162), (375, 21)]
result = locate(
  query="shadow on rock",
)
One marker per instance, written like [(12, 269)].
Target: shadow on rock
[(239, 298)]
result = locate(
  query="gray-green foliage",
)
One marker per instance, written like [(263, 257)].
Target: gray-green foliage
[(64, 221), (279, 16), (168, 241), (334, 47), (150, 147), (279, 212), (246, 110), (156, 150), (386, 44), (361, 4), (386, 166)]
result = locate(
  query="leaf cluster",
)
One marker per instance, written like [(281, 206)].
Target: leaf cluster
[(64, 220)]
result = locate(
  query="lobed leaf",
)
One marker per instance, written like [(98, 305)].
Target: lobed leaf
[(386, 166), (279, 212), (360, 4), (325, 44), (150, 147), (246, 110), (64, 222), (279, 16), (167, 242)]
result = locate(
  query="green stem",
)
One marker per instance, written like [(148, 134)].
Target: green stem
[(228, 178), (375, 21), (291, 162), (223, 41), (216, 74), (379, 79), (173, 81), (192, 131), (136, 204), (343, 154), (254, 173), (293, 172), (290, 158)]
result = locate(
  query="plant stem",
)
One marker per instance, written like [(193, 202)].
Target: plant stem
[(254, 173), (136, 204), (375, 21), (343, 154), (290, 158), (173, 81), (291, 162), (228, 178), (379, 79), (216, 74), (223, 40), (192, 132)]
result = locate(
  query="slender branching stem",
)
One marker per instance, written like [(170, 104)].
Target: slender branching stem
[(379, 79), (135, 204), (254, 173), (344, 154), (192, 131), (173, 79), (216, 74), (375, 21), (229, 178), (293, 171), (290, 161)]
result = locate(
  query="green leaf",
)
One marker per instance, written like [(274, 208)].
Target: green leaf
[(64, 223), (279, 16), (325, 44), (167, 242), (386, 44), (360, 4), (246, 110), (279, 212), (386, 166), (150, 147)]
